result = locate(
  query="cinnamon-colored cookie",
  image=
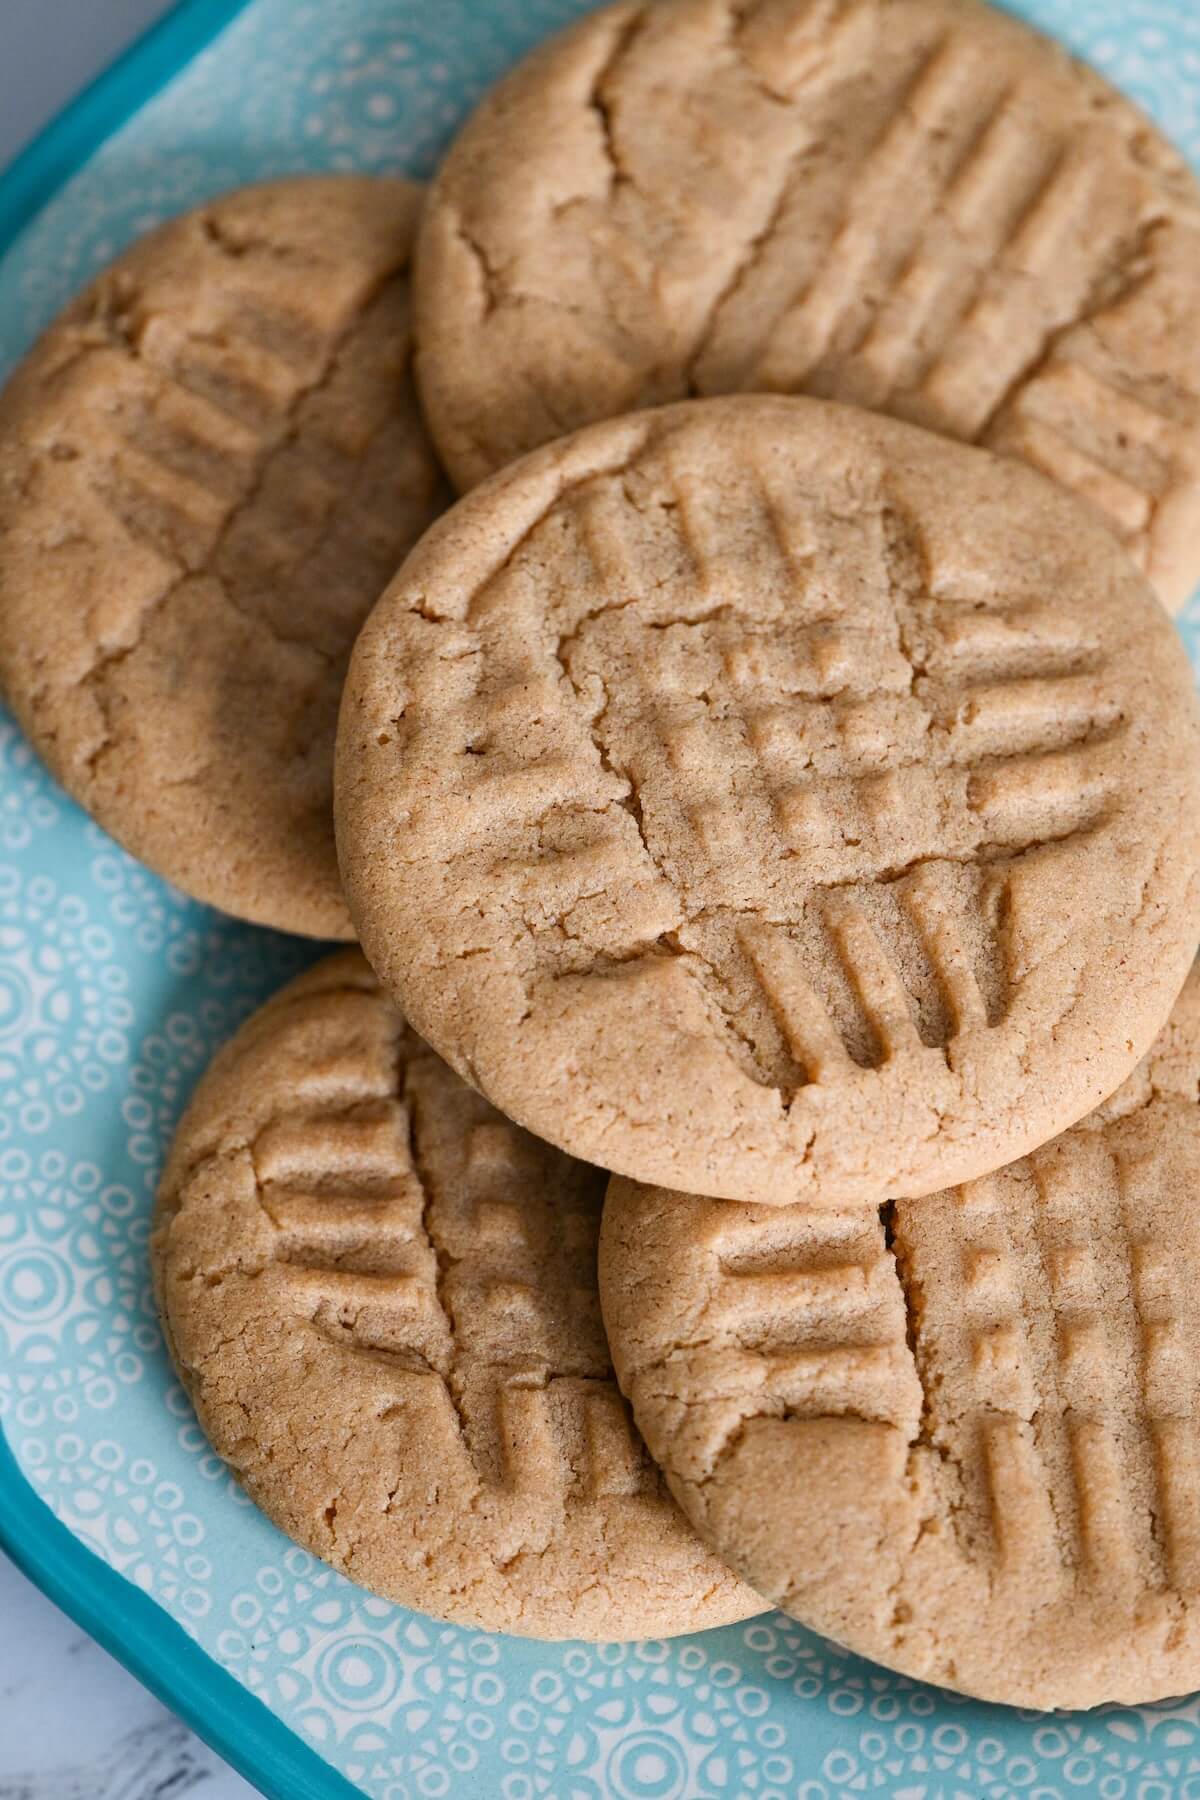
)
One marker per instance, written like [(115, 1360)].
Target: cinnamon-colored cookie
[(209, 467), (775, 801), (381, 1296), (960, 1435), (918, 206)]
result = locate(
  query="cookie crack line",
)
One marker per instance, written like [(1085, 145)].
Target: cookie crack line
[(494, 289), (630, 801), (714, 990), (95, 678), (926, 1436), (443, 1262), (746, 263), (780, 1412), (497, 291), (601, 106)]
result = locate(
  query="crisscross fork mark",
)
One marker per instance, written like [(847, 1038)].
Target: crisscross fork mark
[(806, 1305)]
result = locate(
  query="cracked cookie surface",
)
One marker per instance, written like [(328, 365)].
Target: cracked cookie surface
[(957, 1435), (381, 1296), (210, 465), (917, 206), (775, 801)]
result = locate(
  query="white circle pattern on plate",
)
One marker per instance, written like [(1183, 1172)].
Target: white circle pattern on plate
[(115, 991)]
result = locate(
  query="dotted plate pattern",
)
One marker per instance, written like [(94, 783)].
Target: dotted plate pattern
[(114, 993)]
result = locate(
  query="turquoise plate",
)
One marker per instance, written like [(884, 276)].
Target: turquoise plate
[(115, 990)]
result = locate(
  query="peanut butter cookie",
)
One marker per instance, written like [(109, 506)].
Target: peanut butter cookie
[(209, 468), (775, 801), (381, 1296), (918, 206), (960, 1435)]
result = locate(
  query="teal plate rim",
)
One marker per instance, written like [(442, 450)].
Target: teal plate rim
[(126, 1622)]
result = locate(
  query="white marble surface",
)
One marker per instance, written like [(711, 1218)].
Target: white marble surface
[(75, 1725)]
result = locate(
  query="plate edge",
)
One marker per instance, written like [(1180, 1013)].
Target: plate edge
[(135, 1629), (126, 1622), (74, 134)]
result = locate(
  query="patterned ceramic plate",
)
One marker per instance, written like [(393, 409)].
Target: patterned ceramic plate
[(114, 991)]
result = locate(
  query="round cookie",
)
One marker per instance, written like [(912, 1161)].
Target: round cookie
[(960, 1435), (775, 801), (382, 1299), (209, 467), (918, 206)]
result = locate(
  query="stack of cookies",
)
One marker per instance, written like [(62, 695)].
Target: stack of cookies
[(775, 785)]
